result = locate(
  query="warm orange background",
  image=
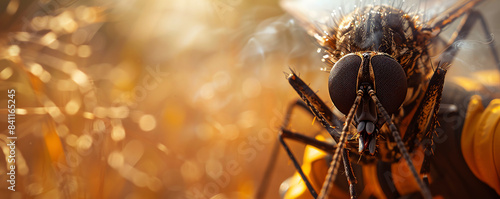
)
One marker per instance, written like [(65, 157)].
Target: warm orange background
[(151, 99)]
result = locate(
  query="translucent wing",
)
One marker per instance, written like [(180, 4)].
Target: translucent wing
[(474, 66)]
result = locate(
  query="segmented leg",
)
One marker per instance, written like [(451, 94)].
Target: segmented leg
[(324, 146), (326, 118), (332, 170), (314, 106), (261, 191), (297, 166), (433, 93), (425, 116), (395, 133), (318, 108), (351, 179)]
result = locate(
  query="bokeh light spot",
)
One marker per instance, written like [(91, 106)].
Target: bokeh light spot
[(54, 45), (87, 14), (71, 140), (207, 91), (48, 38), (118, 112), (140, 179), (118, 133), (72, 107), (13, 50), (45, 76), (70, 49), (116, 159), (62, 130), (99, 126), (36, 69), (84, 142), (12, 7), (6, 73), (100, 112), (84, 51), (69, 67), (79, 77), (21, 111), (40, 22), (163, 148), (23, 36), (147, 123)]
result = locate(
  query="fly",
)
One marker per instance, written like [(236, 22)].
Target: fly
[(383, 79)]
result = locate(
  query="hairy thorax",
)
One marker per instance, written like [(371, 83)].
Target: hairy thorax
[(392, 31), (384, 29)]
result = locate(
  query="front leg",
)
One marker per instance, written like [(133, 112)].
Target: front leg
[(319, 109), (424, 121)]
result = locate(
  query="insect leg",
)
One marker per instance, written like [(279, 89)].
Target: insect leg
[(334, 164), (322, 112), (261, 191), (395, 133), (325, 146), (351, 179), (430, 102), (325, 116), (425, 169), (306, 140), (463, 31), (318, 108), (425, 119), (297, 165)]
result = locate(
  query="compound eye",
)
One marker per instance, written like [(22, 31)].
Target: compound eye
[(342, 82), (390, 82)]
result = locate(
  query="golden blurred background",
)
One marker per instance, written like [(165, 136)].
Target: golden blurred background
[(144, 99), (149, 99)]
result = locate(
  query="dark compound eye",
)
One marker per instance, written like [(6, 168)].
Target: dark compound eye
[(342, 82), (390, 82)]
